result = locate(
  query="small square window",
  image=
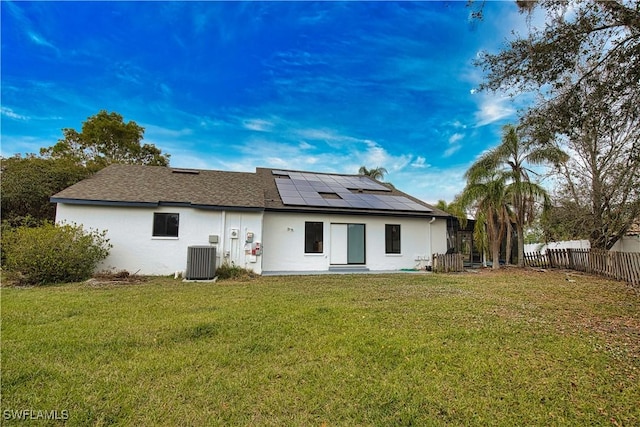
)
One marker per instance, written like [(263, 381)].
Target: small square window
[(165, 224), (392, 238)]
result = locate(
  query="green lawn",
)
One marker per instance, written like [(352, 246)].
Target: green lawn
[(509, 348)]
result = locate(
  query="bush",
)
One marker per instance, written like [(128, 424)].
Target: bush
[(53, 253), (230, 271)]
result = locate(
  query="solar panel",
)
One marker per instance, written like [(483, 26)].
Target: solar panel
[(304, 188), (339, 203), (292, 200)]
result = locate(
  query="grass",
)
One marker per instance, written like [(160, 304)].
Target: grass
[(508, 348)]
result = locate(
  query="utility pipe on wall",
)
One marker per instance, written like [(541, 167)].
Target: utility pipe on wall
[(431, 242)]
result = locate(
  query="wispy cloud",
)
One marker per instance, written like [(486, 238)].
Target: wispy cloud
[(8, 112), (39, 40), (258, 125), (493, 108), (455, 138), (28, 26), (130, 72), (420, 162), (454, 145)]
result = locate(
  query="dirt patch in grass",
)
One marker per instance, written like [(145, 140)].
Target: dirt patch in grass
[(115, 278)]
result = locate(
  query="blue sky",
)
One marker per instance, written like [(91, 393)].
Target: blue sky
[(319, 86)]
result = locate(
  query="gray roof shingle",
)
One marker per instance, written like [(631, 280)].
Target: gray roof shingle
[(159, 184)]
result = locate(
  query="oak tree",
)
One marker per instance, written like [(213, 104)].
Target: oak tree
[(105, 139), (584, 64)]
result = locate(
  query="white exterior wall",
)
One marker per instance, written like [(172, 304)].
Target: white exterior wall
[(566, 244), (137, 251), (627, 244), (284, 235)]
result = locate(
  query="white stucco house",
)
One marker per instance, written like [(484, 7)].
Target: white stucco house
[(270, 221)]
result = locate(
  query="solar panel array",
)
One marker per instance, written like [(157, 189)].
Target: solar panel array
[(307, 189)]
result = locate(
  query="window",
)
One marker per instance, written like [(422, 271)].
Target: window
[(313, 237), (392, 238), (165, 224)]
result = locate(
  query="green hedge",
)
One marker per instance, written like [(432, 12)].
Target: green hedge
[(52, 253)]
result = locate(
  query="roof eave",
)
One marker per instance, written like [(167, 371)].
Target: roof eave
[(403, 214), (139, 204)]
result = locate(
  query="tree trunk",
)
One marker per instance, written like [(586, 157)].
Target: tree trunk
[(495, 249), (508, 244), (520, 233)]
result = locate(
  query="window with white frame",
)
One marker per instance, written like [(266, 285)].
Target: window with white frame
[(165, 224)]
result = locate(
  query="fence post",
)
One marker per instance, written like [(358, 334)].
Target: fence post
[(570, 259)]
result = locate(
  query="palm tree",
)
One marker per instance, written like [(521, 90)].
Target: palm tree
[(488, 196), (452, 208), (511, 159), (375, 173)]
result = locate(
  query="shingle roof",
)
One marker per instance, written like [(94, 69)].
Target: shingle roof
[(154, 185), (158, 184)]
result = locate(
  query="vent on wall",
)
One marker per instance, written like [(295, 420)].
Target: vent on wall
[(201, 263)]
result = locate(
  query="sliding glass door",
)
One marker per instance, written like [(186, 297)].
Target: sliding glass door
[(347, 244), (355, 244)]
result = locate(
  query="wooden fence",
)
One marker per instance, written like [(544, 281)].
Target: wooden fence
[(617, 265), (447, 263)]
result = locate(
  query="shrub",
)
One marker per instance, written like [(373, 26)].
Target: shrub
[(53, 253), (231, 271)]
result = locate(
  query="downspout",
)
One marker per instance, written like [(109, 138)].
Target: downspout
[(223, 236), (430, 263)]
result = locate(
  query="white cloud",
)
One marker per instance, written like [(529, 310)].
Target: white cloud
[(323, 134), (39, 40), (420, 162), (8, 112), (493, 109), (451, 151), (454, 145), (258, 125), (209, 123), (455, 138)]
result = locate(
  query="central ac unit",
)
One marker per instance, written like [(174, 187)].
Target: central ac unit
[(201, 263)]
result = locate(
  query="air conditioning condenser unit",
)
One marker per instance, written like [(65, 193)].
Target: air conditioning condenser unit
[(201, 263)]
